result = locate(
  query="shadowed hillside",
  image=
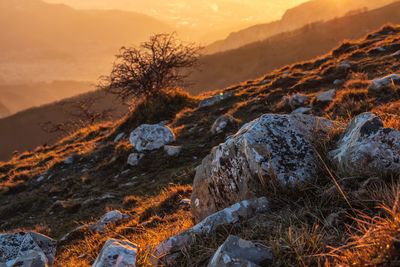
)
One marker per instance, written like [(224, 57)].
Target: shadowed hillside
[(4, 111), (223, 69), (345, 213), (294, 18)]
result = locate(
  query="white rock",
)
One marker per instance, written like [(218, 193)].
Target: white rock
[(134, 159), (149, 137), (384, 82), (40, 178), (119, 137), (276, 148), (338, 82), (238, 252), (240, 211), (173, 151), (396, 54), (326, 96), (109, 218), (117, 253), (345, 64), (215, 99), (222, 123), (26, 249), (367, 148), (302, 110)]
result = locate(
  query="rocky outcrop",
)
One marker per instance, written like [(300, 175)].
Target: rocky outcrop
[(117, 253), (110, 217), (149, 137), (243, 210), (295, 100), (238, 252), (27, 249), (222, 123), (215, 99), (381, 83), (271, 149), (367, 148)]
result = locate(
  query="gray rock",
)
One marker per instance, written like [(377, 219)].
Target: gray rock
[(326, 96), (381, 83), (69, 160), (229, 216), (215, 99), (271, 149), (338, 82), (27, 249), (117, 253), (119, 137), (149, 137), (236, 252), (109, 218), (296, 100), (345, 64), (222, 123), (173, 151), (302, 110), (367, 148), (134, 159)]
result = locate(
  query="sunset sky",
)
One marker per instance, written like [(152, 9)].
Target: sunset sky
[(197, 13)]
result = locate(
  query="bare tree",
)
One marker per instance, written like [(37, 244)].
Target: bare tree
[(151, 68)]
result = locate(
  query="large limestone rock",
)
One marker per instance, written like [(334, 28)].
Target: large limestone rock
[(27, 249), (110, 217), (367, 148), (240, 211), (238, 252), (148, 137), (273, 148), (117, 253)]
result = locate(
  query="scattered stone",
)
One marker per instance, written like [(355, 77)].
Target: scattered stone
[(326, 96), (295, 100), (69, 160), (118, 253), (149, 137), (27, 249), (273, 148), (215, 99), (40, 178), (381, 83), (238, 252), (396, 54), (338, 82), (134, 159), (345, 64), (185, 201), (229, 216), (173, 151), (367, 148), (302, 110), (107, 219), (222, 123), (119, 137), (76, 233)]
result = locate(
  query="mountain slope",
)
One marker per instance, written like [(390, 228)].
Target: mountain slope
[(294, 18), (57, 188), (4, 111), (253, 60), (56, 42)]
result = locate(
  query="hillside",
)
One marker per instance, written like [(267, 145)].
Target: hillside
[(253, 60), (294, 18), (20, 96), (35, 50), (327, 187), (4, 111)]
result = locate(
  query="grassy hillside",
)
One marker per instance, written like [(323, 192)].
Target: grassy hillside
[(248, 62), (53, 196)]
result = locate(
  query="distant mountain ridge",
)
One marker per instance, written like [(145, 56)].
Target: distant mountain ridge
[(224, 69), (294, 18)]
